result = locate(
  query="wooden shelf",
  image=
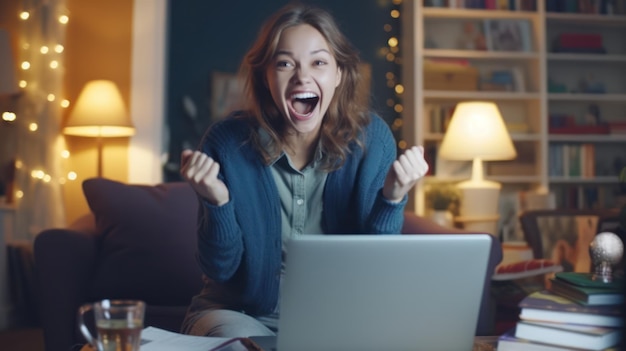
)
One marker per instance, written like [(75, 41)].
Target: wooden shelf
[(588, 138), (580, 180), (439, 12), (514, 136), (480, 54), (591, 58), (479, 95), (586, 19), (616, 98), (499, 179)]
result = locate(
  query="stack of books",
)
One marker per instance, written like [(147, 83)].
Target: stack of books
[(574, 313)]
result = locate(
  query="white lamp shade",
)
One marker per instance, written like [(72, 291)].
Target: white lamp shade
[(99, 112), (8, 84), (477, 130)]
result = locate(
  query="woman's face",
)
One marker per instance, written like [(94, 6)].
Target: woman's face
[(302, 78)]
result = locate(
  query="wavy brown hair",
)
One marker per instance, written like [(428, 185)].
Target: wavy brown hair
[(346, 116)]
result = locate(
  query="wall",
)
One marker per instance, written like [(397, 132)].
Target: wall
[(98, 46), (8, 139)]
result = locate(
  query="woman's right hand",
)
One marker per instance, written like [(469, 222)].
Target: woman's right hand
[(201, 171)]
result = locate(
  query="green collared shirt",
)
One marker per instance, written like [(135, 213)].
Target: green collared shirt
[(300, 193)]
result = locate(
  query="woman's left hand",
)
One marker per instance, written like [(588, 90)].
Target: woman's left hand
[(404, 173)]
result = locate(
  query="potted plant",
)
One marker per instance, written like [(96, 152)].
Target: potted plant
[(441, 198)]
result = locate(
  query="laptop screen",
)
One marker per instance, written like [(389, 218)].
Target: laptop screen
[(382, 292)]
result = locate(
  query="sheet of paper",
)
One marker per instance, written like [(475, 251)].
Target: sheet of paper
[(155, 339)]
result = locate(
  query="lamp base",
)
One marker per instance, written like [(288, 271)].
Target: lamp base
[(484, 224), (479, 205)]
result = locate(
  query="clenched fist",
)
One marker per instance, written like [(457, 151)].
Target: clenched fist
[(201, 171), (404, 173)]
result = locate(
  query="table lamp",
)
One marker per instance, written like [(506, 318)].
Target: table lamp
[(99, 113), (477, 132)]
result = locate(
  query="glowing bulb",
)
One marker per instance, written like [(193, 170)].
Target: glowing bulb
[(65, 103), (54, 64), (23, 84), (19, 164), (72, 175), (395, 13), (63, 19), (51, 97), (397, 2), (25, 65), (47, 178), (397, 122), (33, 127), (37, 174), (59, 48), (44, 49), (393, 41), (65, 154), (402, 144), (19, 194), (8, 116), (398, 108), (399, 89), (24, 15)]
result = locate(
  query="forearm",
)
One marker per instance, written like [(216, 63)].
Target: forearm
[(386, 217), (220, 242)]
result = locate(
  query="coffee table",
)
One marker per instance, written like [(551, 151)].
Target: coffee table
[(481, 343)]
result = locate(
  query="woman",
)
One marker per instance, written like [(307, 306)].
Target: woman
[(304, 157)]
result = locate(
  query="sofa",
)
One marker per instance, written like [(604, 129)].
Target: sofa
[(139, 242)]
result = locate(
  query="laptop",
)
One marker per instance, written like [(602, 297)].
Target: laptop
[(381, 292)]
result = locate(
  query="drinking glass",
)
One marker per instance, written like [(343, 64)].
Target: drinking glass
[(118, 324)]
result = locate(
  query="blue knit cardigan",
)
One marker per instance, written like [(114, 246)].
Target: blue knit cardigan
[(239, 243)]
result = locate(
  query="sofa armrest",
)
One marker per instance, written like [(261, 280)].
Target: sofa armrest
[(64, 264)]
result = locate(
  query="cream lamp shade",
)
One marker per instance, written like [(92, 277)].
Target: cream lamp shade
[(477, 132), (99, 112)]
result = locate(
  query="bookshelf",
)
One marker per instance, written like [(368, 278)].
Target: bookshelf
[(588, 86), (544, 82)]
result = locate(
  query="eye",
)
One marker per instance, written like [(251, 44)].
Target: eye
[(319, 63), (283, 64)]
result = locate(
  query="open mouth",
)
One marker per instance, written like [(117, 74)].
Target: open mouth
[(302, 104)]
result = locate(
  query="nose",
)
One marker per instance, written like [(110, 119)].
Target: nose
[(302, 74)]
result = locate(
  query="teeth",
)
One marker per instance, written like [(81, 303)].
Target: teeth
[(303, 96)]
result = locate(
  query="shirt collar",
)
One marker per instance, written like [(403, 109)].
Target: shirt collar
[(266, 141)]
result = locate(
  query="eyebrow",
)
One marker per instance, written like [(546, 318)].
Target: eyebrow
[(289, 53)]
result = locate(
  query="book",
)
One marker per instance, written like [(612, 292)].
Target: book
[(547, 306), (569, 335), (587, 295), (509, 342), (585, 279)]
